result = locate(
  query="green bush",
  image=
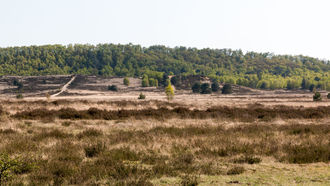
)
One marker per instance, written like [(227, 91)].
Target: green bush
[(312, 88), (19, 96), (142, 96), (18, 84), (205, 88), (11, 166), (113, 88), (126, 81), (215, 87), (145, 82), (196, 88), (328, 96), (227, 89), (153, 82), (317, 97)]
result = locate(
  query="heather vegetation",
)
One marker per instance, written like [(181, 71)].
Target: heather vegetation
[(256, 70), (174, 145), (140, 157)]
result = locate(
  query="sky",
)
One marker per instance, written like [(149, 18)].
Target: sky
[(279, 26)]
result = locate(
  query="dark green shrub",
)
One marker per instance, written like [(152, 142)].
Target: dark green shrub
[(196, 88), (205, 88), (18, 84), (19, 96), (328, 96), (215, 87), (176, 80), (312, 87), (317, 97), (142, 96), (113, 88), (227, 89)]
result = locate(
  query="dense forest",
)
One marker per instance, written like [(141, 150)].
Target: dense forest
[(256, 70)]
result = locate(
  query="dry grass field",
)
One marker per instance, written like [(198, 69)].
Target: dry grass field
[(90, 136)]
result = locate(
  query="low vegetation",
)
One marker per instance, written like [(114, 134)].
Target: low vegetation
[(173, 146), (126, 81), (317, 97), (142, 96), (143, 156), (251, 113), (113, 88)]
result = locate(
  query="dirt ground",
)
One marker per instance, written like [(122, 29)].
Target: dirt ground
[(95, 88)]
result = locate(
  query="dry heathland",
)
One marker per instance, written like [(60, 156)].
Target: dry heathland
[(76, 142)]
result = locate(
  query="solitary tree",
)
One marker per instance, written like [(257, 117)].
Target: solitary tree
[(126, 81), (169, 91)]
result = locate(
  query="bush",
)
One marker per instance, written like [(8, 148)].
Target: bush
[(235, 170), (18, 84), (113, 88), (227, 89), (126, 81), (145, 81), (19, 96), (247, 159), (205, 88), (176, 80), (196, 88), (328, 96), (317, 97), (94, 149), (11, 166), (312, 88), (189, 180), (142, 96), (153, 82), (215, 87)]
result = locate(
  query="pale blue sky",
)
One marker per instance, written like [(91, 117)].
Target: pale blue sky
[(279, 26)]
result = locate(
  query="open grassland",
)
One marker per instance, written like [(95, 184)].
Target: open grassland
[(76, 142)]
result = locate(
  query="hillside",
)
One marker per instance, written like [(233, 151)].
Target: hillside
[(255, 70)]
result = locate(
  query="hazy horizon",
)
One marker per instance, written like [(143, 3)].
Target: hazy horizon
[(275, 26)]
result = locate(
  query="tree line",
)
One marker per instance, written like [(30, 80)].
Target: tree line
[(256, 70)]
